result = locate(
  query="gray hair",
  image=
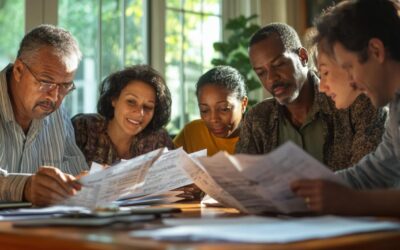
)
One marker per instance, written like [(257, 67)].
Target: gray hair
[(60, 40)]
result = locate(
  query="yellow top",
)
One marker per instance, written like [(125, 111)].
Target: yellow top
[(196, 136)]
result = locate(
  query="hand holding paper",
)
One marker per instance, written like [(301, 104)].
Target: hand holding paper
[(155, 172), (258, 183)]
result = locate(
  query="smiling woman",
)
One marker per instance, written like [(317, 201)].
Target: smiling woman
[(134, 106)]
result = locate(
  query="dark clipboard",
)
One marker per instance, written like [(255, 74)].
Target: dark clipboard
[(83, 221), (11, 205)]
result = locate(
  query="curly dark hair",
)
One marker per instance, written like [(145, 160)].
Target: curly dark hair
[(226, 77), (289, 37), (354, 23), (112, 86)]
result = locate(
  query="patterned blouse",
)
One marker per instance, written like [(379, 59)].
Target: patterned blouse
[(93, 140)]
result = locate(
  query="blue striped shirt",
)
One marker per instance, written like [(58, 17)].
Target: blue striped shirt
[(49, 142)]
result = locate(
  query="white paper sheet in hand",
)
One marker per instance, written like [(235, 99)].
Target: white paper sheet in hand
[(166, 173), (258, 183), (280, 231), (139, 176), (227, 175), (104, 186), (206, 183), (275, 172)]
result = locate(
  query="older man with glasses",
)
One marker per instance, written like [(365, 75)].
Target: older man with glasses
[(38, 154)]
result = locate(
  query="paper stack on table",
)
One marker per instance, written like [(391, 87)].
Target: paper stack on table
[(265, 230), (151, 199), (155, 172)]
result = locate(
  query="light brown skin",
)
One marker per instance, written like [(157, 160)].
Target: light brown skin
[(133, 111), (48, 185), (379, 78), (334, 81)]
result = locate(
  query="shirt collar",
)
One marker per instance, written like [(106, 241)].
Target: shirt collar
[(6, 107), (320, 102)]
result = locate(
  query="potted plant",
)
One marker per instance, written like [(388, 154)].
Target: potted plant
[(234, 52)]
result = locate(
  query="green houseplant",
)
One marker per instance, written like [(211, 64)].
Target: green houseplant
[(234, 53)]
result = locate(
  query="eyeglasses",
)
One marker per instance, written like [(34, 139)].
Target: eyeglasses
[(46, 86)]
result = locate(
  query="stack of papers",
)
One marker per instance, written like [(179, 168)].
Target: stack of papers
[(81, 216), (151, 199), (90, 221), (155, 172), (261, 230)]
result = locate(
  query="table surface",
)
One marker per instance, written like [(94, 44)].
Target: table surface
[(117, 237)]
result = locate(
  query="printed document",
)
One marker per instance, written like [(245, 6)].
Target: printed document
[(155, 172), (258, 183)]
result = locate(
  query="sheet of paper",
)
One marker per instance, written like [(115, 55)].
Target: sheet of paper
[(156, 198), (243, 220), (198, 154), (208, 201), (166, 173), (274, 172), (148, 201), (279, 231), (206, 183), (102, 187), (155, 172), (159, 194), (84, 222), (96, 167), (229, 178), (258, 183)]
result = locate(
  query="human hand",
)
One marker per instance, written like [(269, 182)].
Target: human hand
[(325, 197), (49, 186), (190, 192), (82, 174)]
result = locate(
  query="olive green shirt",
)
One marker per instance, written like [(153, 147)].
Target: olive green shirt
[(308, 136)]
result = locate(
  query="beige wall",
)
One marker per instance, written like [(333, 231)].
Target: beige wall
[(292, 12), (39, 12)]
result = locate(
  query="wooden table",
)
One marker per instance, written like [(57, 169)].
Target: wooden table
[(118, 238)]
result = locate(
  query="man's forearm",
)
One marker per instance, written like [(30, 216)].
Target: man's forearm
[(378, 202)]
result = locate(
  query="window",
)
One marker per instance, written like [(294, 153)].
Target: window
[(188, 52), (11, 29), (110, 34), (115, 33)]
